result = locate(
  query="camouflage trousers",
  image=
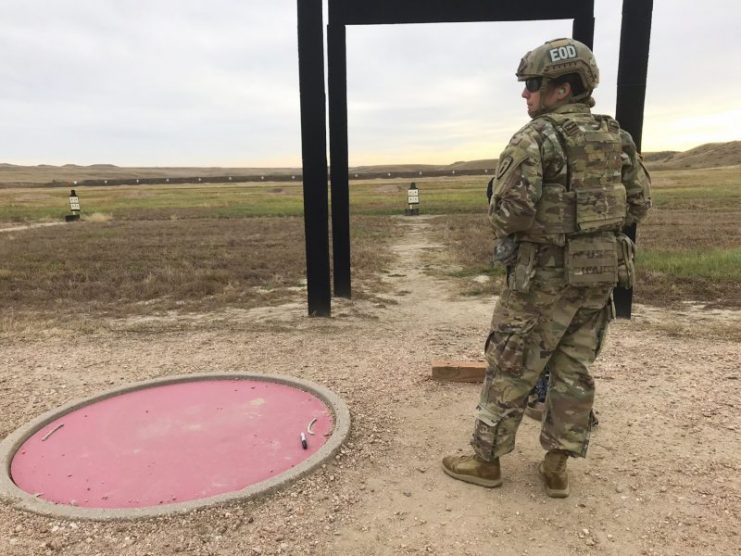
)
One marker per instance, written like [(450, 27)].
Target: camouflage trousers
[(552, 324)]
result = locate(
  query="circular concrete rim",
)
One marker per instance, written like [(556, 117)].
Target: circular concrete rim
[(22, 499)]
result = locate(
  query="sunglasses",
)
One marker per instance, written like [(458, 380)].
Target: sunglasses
[(533, 84)]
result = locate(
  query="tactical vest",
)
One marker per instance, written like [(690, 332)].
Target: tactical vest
[(592, 198)]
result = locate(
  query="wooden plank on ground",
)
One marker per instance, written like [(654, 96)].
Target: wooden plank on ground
[(458, 371)]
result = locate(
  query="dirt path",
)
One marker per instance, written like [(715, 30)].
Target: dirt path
[(662, 474), (29, 227)]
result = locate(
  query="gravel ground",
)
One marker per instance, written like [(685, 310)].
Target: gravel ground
[(662, 475)]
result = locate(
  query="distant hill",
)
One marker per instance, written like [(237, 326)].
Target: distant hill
[(467, 166), (710, 155), (658, 157), (705, 156), (70, 175)]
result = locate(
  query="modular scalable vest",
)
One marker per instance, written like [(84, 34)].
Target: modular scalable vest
[(592, 198)]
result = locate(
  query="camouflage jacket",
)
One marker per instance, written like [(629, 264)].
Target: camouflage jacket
[(535, 155)]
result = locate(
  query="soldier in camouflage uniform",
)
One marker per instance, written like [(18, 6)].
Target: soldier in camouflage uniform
[(566, 185)]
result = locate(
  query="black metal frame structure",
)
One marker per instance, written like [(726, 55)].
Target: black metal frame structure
[(633, 65)]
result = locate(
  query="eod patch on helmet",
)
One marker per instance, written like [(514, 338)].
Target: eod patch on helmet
[(562, 53), (561, 57)]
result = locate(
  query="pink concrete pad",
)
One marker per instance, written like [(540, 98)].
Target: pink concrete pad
[(171, 443)]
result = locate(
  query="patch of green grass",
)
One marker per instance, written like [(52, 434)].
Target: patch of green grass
[(709, 189), (155, 202), (668, 277), (191, 201), (711, 264), (437, 195), (700, 197)]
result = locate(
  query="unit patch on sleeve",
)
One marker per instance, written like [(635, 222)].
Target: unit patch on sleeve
[(504, 165)]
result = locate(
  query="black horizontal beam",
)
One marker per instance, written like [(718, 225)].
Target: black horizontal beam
[(374, 12)]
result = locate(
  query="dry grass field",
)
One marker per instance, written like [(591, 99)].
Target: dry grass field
[(146, 248), (152, 266)]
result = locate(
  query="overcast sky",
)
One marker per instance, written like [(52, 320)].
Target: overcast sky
[(215, 83)]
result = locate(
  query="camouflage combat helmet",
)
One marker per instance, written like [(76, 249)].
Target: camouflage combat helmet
[(561, 57)]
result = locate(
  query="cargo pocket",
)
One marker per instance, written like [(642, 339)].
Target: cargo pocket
[(506, 348), (523, 272), (494, 436)]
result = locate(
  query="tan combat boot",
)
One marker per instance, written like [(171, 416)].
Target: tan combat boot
[(553, 470), (473, 469)]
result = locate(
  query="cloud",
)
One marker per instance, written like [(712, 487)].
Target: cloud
[(216, 83), (447, 85), (126, 79)]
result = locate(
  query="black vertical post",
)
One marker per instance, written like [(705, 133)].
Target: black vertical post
[(314, 154), (635, 35), (583, 27), (338, 155)]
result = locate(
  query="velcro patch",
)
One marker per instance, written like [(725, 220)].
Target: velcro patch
[(562, 53), (570, 127), (504, 165)]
